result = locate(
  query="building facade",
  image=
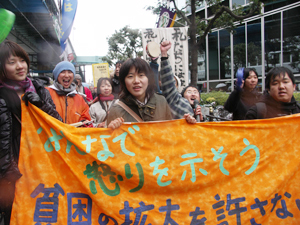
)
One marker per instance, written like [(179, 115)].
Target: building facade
[(263, 41)]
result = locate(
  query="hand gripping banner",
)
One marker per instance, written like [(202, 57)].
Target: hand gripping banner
[(236, 172)]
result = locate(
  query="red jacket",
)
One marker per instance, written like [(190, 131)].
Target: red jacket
[(88, 93), (72, 109)]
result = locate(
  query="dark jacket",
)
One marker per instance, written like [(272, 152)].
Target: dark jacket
[(10, 127), (156, 109), (272, 108), (116, 87), (240, 101), (10, 134)]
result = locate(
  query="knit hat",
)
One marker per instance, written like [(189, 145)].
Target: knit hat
[(64, 65), (77, 76)]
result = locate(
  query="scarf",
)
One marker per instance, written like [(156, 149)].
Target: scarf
[(106, 98), (24, 85), (283, 106), (64, 91)]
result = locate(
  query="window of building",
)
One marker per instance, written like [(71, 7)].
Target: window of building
[(291, 39), (254, 45), (213, 56), (239, 48), (272, 41), (238, 2), (225, 56)]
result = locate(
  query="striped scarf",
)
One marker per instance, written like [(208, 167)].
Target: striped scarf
[(24, 85)]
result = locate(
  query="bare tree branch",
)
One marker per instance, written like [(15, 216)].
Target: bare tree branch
[(181, 14), (219, 13)]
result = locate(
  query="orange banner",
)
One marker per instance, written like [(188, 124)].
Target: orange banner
[(239, 172)]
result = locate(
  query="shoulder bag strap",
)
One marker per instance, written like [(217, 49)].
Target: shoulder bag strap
[(133, 114), (17, 118)]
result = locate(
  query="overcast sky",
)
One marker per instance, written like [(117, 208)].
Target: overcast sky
[(96, 20)]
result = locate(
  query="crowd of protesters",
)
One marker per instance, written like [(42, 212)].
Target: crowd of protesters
[(132, 94)]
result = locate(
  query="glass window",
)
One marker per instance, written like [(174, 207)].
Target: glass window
[(291, 39), (213, 57), (259, 85), (254, 45), (200, 6), (225, 56), (219, 86), (239, 48), (287, 57), (202, 87), (238, 2), (272, 41), (201, 66)]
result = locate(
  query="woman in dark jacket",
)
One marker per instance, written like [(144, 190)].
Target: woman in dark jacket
[(14, 67), (244, 96)]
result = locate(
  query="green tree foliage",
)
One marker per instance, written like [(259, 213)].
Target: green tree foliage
[(297, 96), (293, 49), (199, 27), (123, 44)]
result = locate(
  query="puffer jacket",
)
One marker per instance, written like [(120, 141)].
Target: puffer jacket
[(10, 134), (71, 107), (156, 109), (10, 127)]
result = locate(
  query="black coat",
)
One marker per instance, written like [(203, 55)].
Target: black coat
[(116, 87), (240, 101), (10, 134), (10, 127)]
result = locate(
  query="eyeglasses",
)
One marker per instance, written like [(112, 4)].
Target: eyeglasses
[(192, 92)]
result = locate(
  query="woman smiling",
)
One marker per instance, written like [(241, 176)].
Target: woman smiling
[(14, 67), (99, 110), (137, 94)]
